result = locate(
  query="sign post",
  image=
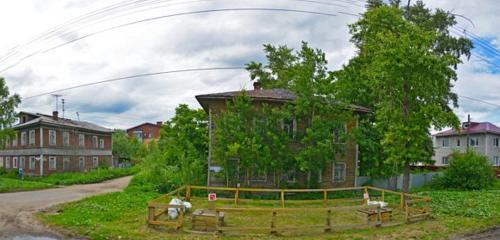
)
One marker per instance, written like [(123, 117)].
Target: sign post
[(212, 197)]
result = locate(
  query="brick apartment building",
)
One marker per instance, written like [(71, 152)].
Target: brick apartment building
[(145, 132), (57, 144)]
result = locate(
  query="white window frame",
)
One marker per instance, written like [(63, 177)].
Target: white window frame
[(32, 163), (496, 161), (65, 136), (24, 138), (1, 162), (52, 163), (14, 141), (344, 173), (447, 141), (337, 139), (95, 162), (101, 143), (22, 162), (496, 142), (66, 163), (7, 162), (81, 140), (15, 162), (95, 142), (31, 137), (81, 163), (474, 140), (52, 137), (445, 160)]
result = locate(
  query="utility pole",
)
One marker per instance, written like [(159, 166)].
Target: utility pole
[(78, 115), (62, 101)]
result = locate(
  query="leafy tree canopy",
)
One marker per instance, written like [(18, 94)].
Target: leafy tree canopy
[(8, 115)]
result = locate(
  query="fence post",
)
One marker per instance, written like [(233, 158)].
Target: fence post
[(325, 197), (383, 195), (365, 201), (379, 217), (402, 200), (188, 192), (236, 196), (273, 223), (151, 215), (328, 227), (282, 199), (180, 221), (217, 230)]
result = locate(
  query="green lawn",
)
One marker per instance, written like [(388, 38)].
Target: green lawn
[(10, 183), (123, 216), (16, 185)]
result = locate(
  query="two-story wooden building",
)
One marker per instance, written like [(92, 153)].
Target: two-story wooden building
[(145, 132), (46, 144), (340, 173)]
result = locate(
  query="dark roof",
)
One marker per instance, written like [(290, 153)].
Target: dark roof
[(146, 123), (47, 119), (475, 128), (268, 95)]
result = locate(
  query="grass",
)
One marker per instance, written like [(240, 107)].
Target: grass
[(9, 182), (123, 216)]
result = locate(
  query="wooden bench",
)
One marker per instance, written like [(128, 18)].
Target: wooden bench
[(372, 214), (205, 220)]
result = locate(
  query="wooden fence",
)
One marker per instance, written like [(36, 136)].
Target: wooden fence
[(413, 206)]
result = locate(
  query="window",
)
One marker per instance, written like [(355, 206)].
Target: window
[(258, 174), (81, 163), (339, 133), (474, 142), (458, 142), (22, 162), (52, 163), (95, 162), (444, 160), (495, 142), (101, 143), (32, 137), (81, 140), (496, 161), (24, 137), (339, 172), (32, 164), (139, 135), (7, 162), (65, 138), (446, 142), (66, 163), (94, 142), (289, 128), (15, 162), (1, 162), (52, 137), (14, 141)]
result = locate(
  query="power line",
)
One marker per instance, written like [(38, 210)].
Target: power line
[(480, 100), (135, 76)]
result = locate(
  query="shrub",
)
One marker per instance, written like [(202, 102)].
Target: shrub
[(468, 171)]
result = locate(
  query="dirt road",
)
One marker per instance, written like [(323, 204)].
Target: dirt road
[(16, 209)]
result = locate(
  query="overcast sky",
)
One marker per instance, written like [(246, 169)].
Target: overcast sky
[(216, 39)]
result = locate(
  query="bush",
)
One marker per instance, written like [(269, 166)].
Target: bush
[(467, 171)]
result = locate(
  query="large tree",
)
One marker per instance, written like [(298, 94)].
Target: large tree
[(404, 71), (8, 115)]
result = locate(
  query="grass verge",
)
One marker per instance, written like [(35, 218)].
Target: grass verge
[(15, 185), (123, 216)]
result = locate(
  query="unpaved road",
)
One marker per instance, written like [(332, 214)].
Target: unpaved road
[(16, 209), (488, 234)]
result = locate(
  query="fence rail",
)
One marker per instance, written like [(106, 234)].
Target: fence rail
[(414, 207)]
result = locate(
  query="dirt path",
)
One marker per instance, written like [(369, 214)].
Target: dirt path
[(16, 209), (488, 234)]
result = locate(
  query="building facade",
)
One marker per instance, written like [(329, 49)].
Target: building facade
[(482, 137), (46, 144), (145, 132), (340, 173)]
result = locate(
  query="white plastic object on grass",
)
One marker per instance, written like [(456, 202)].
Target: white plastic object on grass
[(174, 212), (374, 203)]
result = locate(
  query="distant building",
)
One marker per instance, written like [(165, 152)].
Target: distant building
[(145, 132), (482, 137), (47, 144), (341, 173)]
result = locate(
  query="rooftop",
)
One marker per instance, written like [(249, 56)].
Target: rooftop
[(475, 128), (49, 120)]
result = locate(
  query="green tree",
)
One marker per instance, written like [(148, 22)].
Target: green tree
[(404, 71), (8, 115), (121, 145)]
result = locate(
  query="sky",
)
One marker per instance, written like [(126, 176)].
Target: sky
[(47, 45)]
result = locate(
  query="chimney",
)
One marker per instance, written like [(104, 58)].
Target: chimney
[(159, 123), (55, 115), (257, 86)]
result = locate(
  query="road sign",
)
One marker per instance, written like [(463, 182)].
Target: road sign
[(212, 197)]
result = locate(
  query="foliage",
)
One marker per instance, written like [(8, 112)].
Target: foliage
[(94, 176), (468, 171), (126, 148), (8, 115), (404, 71), (180, 156), (15, 185)]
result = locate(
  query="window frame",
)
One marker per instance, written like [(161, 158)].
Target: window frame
[(7, 162), (101, 143), (458, 142), (32, 137), (22, 162), (447, 140), (496, 161), (344, 172), (52, 140), (337, 134), (81, 139), (66, 163), (15, 162), (475, 140), (24, 136), (445, 160), (95, 162), (81, 163), (32, 162), (65, 137), (1, 162), (14, 141), (496, 142), (52, 163), (95, 142)]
